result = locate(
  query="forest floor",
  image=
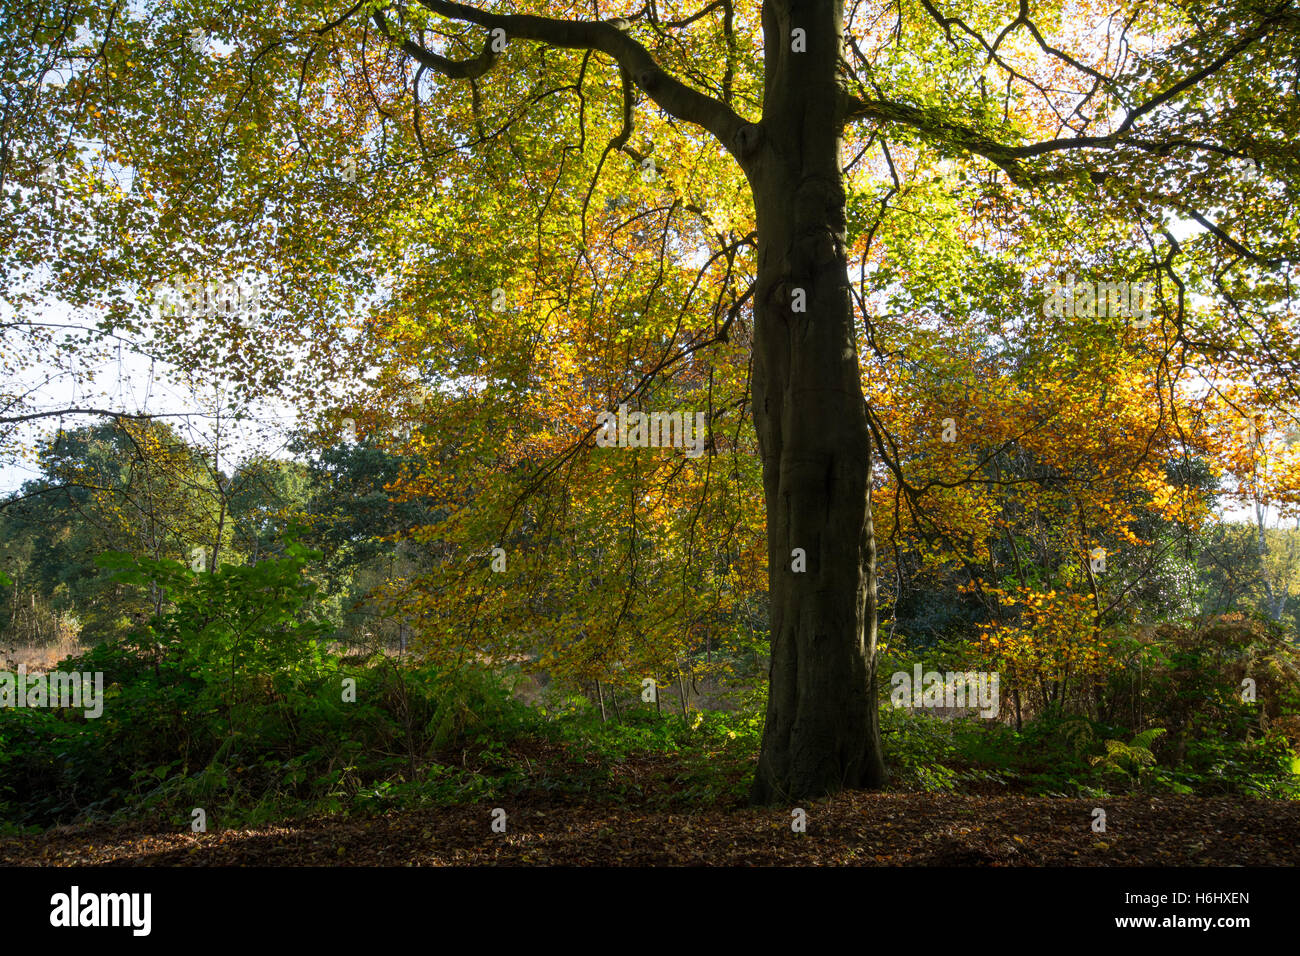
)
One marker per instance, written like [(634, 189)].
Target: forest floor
[(888, 829)]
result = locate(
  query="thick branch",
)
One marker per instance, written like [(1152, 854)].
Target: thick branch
[(456, 69), (1009, 156), (109, 413), (670, 94)]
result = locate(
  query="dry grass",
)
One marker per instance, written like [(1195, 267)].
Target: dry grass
[(40, 658)]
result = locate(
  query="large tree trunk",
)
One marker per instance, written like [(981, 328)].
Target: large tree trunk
[(822, 732)]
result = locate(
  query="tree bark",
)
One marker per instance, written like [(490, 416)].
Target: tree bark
[(822, 730)]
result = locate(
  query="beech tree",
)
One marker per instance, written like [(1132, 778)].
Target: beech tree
[(1154, 116)]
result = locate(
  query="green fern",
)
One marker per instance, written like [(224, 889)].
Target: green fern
[(1133, 757)]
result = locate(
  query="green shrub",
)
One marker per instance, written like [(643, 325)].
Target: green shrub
[(226, 700)]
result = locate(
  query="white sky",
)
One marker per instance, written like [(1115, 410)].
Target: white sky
[(132, 383)]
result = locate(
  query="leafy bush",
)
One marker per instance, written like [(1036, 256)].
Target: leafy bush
[(226, 700), (1172, 716), (1132, 758)]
